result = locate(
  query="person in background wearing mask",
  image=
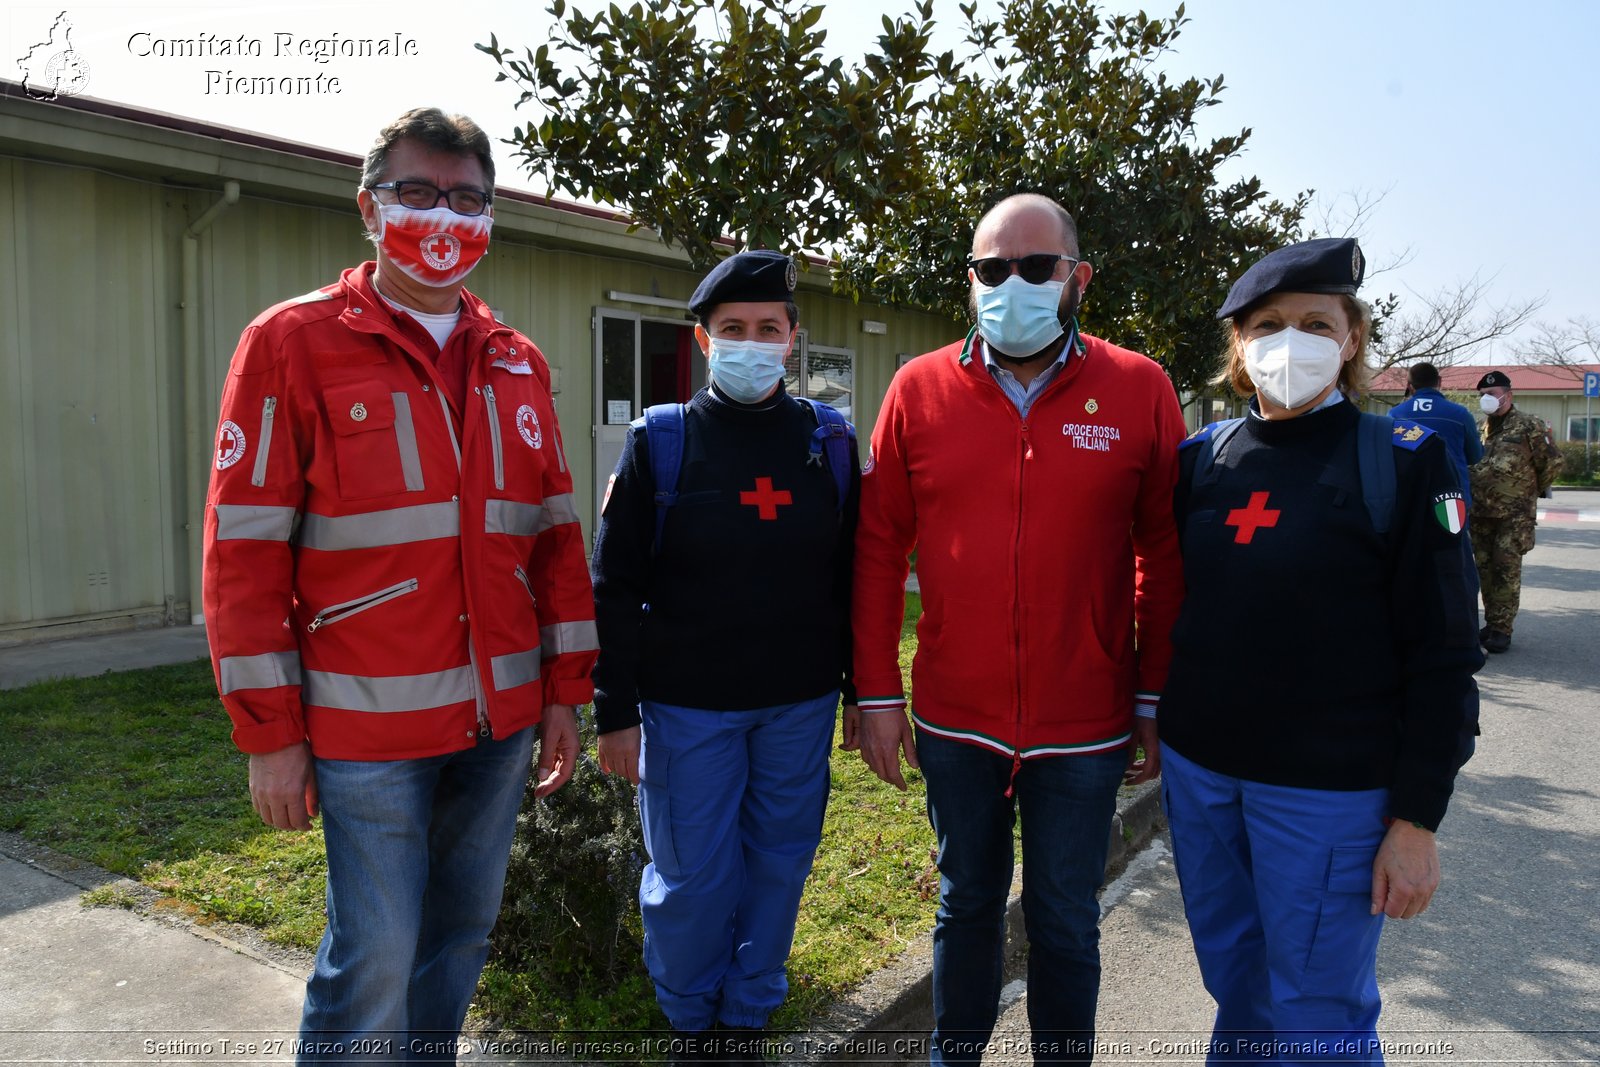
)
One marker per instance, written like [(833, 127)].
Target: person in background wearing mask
[(1031, 468), (395, 594), (1519, 464), (724, 633), (1302, 796)]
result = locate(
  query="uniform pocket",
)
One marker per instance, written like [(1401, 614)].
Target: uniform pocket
[(655, 807), (1522, 535), (1345, 944), (366, 450)]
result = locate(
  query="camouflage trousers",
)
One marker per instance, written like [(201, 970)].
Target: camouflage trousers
[(1498, 546)]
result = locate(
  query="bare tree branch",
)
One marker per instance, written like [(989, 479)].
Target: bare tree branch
[(1348, 215), (1448, 326), (1573, 346)]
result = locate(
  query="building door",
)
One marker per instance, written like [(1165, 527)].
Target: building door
[(638, 361)]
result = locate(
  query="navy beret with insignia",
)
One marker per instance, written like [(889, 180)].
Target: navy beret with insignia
[(1492, 379), (1325, 265), (746, 278)]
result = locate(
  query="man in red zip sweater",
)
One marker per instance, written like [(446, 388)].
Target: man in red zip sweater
[(1031, 467), (396, 596)]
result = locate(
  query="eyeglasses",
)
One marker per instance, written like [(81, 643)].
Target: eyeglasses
[(1035, 269), (463, 199)]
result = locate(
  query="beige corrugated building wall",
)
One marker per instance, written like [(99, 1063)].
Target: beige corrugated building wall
[(141, 244)]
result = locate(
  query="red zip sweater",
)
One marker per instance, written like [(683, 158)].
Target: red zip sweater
[(386, 575), (1040, 543)]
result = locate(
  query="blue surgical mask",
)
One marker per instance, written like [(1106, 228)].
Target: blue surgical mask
[(746, 370), (1018, 319)]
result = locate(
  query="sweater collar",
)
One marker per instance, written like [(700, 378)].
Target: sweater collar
[(1330, 419)]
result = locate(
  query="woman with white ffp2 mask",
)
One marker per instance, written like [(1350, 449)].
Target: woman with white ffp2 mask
[(1302, 795)]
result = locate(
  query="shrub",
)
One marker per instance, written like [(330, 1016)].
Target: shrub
[(570, 917), (1573, 465)]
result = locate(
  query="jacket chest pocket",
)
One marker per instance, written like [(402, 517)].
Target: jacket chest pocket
[(516, 438), (374, 440)]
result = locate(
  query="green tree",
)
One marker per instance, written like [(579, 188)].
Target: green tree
[(886, 164)]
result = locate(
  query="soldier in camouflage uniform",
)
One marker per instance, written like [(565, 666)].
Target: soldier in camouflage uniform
[(1519, 463)]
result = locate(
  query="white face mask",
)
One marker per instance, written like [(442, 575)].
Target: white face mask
[(1489, 404), (1291, 367)]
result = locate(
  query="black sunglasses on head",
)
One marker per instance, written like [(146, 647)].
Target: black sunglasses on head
[(1035, 269)]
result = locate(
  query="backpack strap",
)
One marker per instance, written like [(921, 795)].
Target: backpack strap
[(830, 441), (1210, 439), (663, 428)]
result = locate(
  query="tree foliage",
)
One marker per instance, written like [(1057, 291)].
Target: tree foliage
[(749, 131), (886, 164)]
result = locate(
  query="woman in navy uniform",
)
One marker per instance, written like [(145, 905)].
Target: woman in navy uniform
[(1322, 670), (723, 613)]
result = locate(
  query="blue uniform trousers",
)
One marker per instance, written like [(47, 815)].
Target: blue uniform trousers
[(731, 803), (1277, 886)]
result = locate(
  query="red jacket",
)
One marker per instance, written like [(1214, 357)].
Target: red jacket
[(385, 576), (1039, 541)]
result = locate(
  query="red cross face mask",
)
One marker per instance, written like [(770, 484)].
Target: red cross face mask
[(436, 247)]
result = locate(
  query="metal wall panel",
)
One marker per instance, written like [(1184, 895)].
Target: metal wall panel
[(88, 327)]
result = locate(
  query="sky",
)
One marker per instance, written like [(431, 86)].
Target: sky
[(1468, 127)]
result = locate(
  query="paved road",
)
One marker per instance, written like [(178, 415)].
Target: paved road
[(1505, 965)]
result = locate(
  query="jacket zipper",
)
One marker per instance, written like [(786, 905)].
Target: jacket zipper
[(340, 612), (494, 437), (1016, 604), (522, 576), (258, 477), (472, 653)]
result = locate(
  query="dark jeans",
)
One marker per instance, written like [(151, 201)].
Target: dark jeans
[(1066, 804)]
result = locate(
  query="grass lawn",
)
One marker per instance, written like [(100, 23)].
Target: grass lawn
[(134, 772)]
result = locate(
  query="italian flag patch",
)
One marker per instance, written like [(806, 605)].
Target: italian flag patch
[(1451, 511)]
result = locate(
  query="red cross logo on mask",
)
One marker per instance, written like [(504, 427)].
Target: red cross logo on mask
[(765, 500), (441, 251), (1248, 520)]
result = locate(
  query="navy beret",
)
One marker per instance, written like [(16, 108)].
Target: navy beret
[(1492, 379), (745, 278), (1325, 265)]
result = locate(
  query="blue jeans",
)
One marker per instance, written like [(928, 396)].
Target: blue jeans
[(1277, 887), (1066, 805), (732, 804), (417, 852)]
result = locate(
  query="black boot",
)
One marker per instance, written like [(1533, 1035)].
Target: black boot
[(1497, 641)]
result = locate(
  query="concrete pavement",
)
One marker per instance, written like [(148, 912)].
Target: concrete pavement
[(102, 985), (84, 657)]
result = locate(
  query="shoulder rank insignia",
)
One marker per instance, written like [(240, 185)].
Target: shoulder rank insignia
[(1410, 435)]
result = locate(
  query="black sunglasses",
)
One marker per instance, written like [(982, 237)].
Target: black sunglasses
[(1035, 269)]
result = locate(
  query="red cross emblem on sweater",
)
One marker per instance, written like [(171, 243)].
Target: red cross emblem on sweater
[(765, 499), (1252, 518)]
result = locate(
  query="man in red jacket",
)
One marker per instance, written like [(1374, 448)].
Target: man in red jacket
[(1031, 467), (396, 595)]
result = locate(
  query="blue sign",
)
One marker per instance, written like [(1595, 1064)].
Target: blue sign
[(1591, 384)]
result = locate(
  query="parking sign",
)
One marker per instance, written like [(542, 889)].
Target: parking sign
[(1591, 384)]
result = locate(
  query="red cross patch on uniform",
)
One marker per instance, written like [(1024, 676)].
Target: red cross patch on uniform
[(765, 499), (1248, 520)]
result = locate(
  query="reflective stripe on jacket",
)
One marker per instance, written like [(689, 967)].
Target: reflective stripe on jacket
[(385, 575)]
